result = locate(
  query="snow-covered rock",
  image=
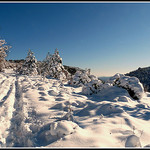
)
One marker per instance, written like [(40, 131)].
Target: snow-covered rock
[(63, 127), (133, 141)]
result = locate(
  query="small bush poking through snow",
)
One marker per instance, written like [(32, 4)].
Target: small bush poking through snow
[(69, 115)]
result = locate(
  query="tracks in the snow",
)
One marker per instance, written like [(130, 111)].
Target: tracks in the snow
[(19, 136), (7, 95), (6, 88), (18, 114)]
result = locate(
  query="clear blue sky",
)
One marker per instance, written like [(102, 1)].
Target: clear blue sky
[(109, 38)]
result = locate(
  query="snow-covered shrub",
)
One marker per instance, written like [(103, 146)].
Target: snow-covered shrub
[(52, 66), (112, 80), (92, 87), (81, 78), (62, 128), (3, 53), (30, 65), (131, 84), (133, 141)]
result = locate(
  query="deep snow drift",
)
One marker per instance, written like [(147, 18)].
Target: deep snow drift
[(47, 113)]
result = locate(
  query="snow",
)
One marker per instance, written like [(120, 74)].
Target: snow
[(133, 141), (63, 127), (47, 113)]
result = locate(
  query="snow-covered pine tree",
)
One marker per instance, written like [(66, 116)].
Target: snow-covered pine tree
[(3, 53), (53, 67), (45, 65), (30, 65)]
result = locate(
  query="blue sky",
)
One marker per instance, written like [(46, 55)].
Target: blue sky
[(108, 38)]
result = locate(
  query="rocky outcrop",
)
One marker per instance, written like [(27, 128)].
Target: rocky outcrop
[(143, 74), (131, 84)]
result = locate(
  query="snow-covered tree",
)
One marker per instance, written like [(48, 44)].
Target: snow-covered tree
[(45, 65), (81, 78), (30, 65), (52, 66), (3, 53)]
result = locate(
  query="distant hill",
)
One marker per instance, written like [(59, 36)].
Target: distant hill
[(143, 74), (103, 78)]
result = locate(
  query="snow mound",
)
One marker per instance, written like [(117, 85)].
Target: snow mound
[(58, 106), (63, 127), (148, 145), (133, 141), (131, 84), (123, 99), (108, 109), (52, 93)]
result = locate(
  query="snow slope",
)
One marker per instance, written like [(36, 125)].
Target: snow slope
[(46, 113)]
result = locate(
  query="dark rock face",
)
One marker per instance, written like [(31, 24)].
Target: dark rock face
[(132, 93), (143, 74)]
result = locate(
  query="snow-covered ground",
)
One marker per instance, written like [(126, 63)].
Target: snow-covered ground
[(45, 113)]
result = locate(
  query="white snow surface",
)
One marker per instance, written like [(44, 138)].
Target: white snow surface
[(33, 114)]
